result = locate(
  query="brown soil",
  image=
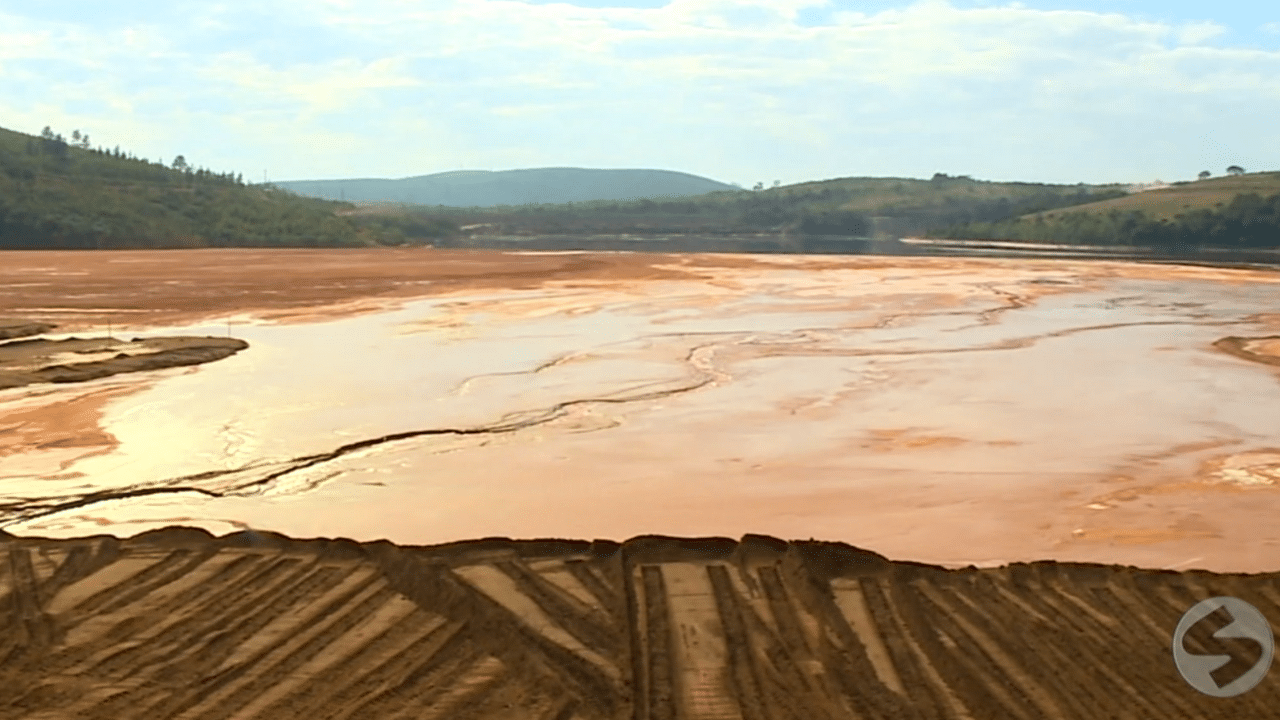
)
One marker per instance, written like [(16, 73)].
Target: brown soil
[(1261, 349), (179, 624), (20, 328), (156, 289), (27, 362), (147, 288)]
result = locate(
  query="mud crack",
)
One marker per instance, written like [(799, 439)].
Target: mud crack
[(699, 358)]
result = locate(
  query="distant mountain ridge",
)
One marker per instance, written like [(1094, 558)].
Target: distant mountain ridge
[(486, 188)]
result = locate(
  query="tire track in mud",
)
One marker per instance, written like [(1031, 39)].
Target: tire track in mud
[(744, 677), (659, 699), (179, 624)]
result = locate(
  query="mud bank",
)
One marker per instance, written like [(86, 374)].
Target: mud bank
[(29, 362), (1258, 349), (18, 328), (177, 623)]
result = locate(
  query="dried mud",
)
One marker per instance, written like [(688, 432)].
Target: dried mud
[(18, 328), (179, 624), (29, 362), (1258, 349)]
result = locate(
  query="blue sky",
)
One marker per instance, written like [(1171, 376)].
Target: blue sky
[(739, 91)]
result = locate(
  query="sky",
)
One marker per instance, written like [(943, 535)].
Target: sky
[(741, 91)]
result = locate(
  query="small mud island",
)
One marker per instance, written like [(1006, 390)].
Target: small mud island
[(1261, 349), (33, 360)]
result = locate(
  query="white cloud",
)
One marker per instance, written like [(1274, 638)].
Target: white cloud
[(337, 85), (1198, 32), (688, 85)]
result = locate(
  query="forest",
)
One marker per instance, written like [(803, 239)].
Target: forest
[(60, 194), (1248, 222), (856, 206), (57, 193)]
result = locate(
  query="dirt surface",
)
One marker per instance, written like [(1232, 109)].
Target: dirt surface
[(178, 624), (148, 288), (28, 362), (1260, 349), (20, 328)]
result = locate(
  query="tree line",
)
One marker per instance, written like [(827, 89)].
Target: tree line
[(847, 207), (60, 194), (1249, 221), (72, 195)]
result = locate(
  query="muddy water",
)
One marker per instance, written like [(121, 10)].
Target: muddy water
[(1018, 413)]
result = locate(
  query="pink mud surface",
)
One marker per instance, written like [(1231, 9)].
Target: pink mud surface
[(955, 411)]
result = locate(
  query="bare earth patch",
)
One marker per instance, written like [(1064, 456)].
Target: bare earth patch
[(257, 626), (1263, 350), (27, 362)]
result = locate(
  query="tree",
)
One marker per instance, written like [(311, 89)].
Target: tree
[(180, 164), (1235, 170), (835, 222), (758, 186), (1204, 175)]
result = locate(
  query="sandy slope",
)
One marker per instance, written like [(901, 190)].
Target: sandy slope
[(177, 624)]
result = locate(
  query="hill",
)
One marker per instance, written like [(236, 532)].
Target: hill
[(1234, 213), (55, 194), (483, 188), (854, 206), (1177, 199)]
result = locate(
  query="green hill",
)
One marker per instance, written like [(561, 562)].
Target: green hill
[(483, 188), (1178, 199), (1240, 212), (55, 194), (858, 206)]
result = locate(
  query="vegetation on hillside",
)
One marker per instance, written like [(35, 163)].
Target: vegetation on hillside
[(847, 206), (1242, 221), (1182, 197), (60, 194), (70, 195)]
